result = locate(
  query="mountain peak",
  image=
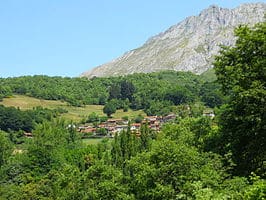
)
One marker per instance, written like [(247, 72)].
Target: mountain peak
[(213, 7), (186, 46)]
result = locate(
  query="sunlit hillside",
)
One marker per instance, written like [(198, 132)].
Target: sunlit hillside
[(74, 113)]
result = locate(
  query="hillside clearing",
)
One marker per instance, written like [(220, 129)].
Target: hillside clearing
[(74, 113)]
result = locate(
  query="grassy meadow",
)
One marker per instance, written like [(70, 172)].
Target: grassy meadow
[(91, 141), (74, 113)]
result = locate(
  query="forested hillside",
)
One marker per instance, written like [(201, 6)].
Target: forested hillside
[(137, 91), (191, 157)]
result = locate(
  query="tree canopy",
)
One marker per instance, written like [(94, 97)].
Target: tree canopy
[(136, 91), (241, 70)]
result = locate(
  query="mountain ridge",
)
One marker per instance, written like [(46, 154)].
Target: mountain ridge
[(186, 46)]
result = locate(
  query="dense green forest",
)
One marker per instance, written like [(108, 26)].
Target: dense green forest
[(137, 91), (193, 157)]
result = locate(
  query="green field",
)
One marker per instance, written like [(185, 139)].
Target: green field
[(74, 113), (90, 141)]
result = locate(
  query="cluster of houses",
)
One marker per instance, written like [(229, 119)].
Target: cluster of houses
[(114, 126)]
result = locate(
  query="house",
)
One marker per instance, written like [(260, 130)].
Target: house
[(120, 128), (28, 135), (169, 117), (80, 128), (208, 113), (135, 126), (102, 125), (88, 130), (151, 118), (111, 121)]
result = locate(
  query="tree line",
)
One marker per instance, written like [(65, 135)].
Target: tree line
[(155, 93)]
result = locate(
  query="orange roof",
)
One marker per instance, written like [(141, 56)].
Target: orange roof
[(88, 130), (136, 124)]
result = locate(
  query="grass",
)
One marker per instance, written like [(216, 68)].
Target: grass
[(130, 113), (209, 75), (25, 102), (77, 113), (74, 113), (91, 141)]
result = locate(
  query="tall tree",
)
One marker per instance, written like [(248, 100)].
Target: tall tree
[(114, 91), (241, 70), (127, 90), (5, 148), (109, 109)]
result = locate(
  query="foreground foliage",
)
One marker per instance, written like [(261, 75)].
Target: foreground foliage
[(242, 72), (172, 165)]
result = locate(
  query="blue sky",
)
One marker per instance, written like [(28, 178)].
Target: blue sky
[(66, 38)]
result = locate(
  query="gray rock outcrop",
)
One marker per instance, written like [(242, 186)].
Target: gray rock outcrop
[(187, 46)]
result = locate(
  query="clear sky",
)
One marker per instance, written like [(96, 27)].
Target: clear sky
[(68, 37)]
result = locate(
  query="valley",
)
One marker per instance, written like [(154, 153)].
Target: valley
[(148, 125)]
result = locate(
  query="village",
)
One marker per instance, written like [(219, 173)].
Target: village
[(114, 126)]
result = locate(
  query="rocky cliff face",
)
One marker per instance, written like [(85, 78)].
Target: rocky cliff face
[(187, 46)]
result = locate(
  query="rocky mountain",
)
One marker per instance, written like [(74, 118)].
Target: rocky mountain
[(187, 46)]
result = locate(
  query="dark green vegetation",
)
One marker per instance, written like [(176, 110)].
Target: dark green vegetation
[(12, 119), (242, 72), (194, 157), (137, 91)]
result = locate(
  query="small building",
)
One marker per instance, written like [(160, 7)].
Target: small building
[(88, 130), (120, 128), (208, 113), (169, 117), (111, 121), (135, 126), (28, 135)]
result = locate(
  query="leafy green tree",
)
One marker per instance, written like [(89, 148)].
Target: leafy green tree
[(256, 190), (139, 118), (127, 90), (196, 110), (93, 117), (46, 150), (5, 148), (159, 108), (137, 103), (14, 119), (179, 95), (4, 91), (115, 91), (102, 99), (145, 137), (109, 109), (101, 131), (171, 169), (125, 146), (211, 94), (241, 70), (104, 182)]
